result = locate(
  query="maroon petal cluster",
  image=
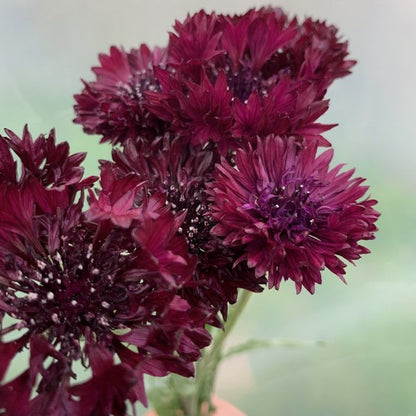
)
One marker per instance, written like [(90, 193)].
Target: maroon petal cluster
[(102, 287), (112, 106), (216, 81), (289, 214)]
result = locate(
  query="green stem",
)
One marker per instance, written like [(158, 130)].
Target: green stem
[(206, 368)]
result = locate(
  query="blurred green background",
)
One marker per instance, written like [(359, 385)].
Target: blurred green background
[(367, 365)]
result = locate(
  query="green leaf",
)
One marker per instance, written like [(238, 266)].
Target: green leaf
[(254, 344)]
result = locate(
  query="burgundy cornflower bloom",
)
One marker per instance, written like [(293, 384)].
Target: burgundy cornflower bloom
[(102, 290), (221, 79), (112, 106), (233, 78), (289, 214)]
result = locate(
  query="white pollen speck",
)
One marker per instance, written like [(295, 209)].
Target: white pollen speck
[(59, 281), (41, 264), (95, 271), (92, 290), (32, 321), (103, 321), (74, 302), (105, 304), (32, 296), (50, 275), (89, 252), (50, 295), (80, 267), (55, 318)]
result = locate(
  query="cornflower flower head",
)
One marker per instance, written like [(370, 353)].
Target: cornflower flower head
[(289, 214), (221, 79), (101, 287), (112, 105)]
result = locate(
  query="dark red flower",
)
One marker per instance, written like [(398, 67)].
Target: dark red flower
[(218, 78), (247, 76), (94, 290), (112, 106), (289, 214)]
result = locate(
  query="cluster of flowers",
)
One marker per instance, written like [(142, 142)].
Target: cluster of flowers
[(217, 183)]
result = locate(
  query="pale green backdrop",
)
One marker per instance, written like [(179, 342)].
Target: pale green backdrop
[(367, 366)]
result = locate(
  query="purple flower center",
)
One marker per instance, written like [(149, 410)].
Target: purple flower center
[(243, 82), (288, 210)]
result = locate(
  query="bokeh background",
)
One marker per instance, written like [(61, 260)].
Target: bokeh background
[(367, 365)]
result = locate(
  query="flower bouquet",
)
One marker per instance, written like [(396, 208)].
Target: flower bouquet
[(219, 186)]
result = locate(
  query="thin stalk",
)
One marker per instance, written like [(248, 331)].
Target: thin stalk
[(206, 368)]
